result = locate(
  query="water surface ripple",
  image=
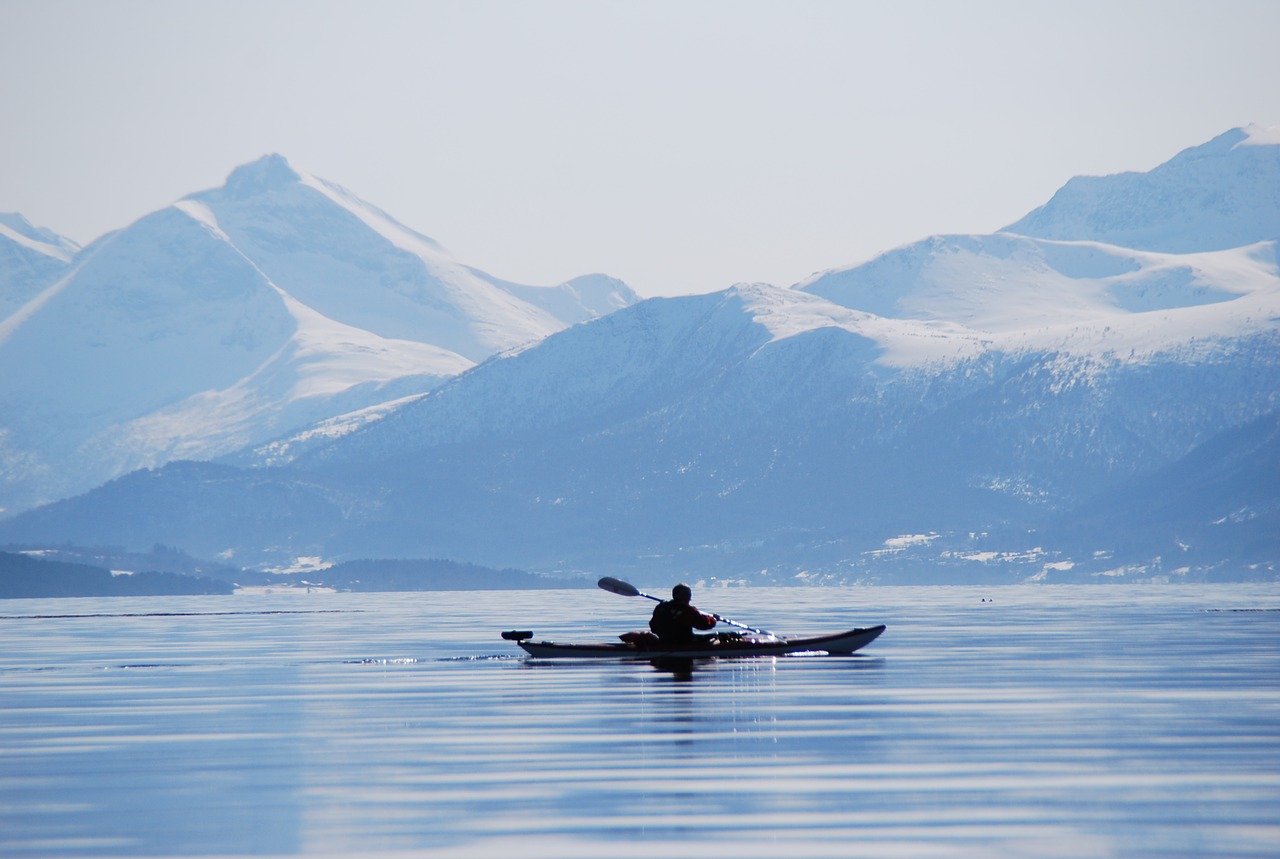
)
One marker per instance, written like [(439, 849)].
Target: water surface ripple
[(1030, 721)]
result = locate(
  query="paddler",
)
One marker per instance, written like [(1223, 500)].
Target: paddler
[(674, 620)]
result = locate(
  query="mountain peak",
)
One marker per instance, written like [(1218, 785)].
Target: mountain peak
[(1222, 194), (1225, 144), (268, 173)]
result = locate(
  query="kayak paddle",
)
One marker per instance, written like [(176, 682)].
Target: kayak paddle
[(626, 589)]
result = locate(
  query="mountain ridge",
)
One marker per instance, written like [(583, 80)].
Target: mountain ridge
[(1180, 206)]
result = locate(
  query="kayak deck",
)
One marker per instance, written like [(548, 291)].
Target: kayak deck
[(842, 643)]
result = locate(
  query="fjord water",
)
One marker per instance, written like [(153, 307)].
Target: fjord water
[(1068, 721)]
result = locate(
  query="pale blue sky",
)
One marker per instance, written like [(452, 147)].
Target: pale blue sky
[(680, 146)]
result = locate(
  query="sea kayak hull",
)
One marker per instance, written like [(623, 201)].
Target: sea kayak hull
[(839, 644)]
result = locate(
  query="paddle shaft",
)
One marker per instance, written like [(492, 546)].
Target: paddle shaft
[(626, 589)]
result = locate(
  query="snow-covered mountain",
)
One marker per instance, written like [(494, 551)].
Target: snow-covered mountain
[(1201, 229), (758, 429), (235, 315), (958, 409)]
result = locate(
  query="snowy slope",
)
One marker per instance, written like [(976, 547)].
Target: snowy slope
[(1221, 194), (237, 315), (349, 260), (31, 258), (1081, 297)]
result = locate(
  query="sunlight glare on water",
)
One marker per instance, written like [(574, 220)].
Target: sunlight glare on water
[(1019, 721)]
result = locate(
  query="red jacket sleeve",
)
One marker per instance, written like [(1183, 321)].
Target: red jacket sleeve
[(700, 620)]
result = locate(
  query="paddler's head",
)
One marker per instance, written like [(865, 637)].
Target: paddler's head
[(681, 593)]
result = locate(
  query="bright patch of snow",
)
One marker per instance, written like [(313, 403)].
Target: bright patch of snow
[(787, 313), (58, 252), (377, 220), (15, 321), (907, 540), (1261, 135), (284, 450)]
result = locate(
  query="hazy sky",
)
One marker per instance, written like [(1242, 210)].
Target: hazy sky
[(681, 146)]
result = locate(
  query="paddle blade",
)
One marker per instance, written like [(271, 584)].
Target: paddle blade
[(619, 587)]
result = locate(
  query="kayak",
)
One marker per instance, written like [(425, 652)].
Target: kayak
[(706, 647)]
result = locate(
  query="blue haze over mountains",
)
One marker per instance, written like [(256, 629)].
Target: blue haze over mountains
[(276, 369)]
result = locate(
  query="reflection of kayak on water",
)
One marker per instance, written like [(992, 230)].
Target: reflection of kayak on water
[(644, 646)]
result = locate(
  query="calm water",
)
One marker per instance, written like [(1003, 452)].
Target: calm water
[(1050, 721)]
